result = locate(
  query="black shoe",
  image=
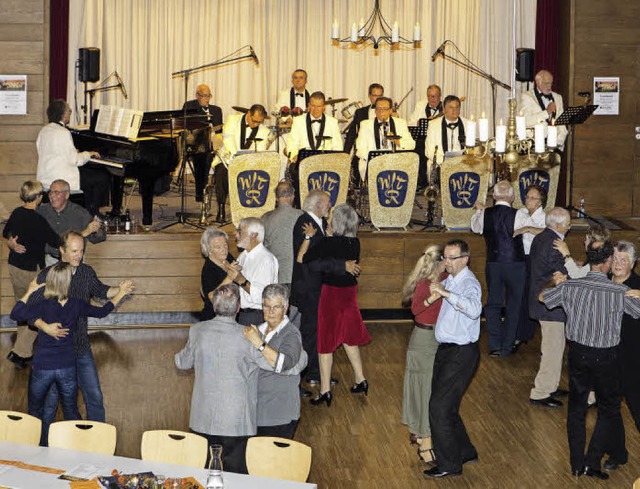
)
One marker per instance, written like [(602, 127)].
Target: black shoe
[(332, 382), (517, 344), (361, 387), (471, 460), (438, 474), (494, 353), (304, 392), (595, 473), (559, 393), (549, 402), (577, 472), (18, 361), (612, 464), (326, 397)]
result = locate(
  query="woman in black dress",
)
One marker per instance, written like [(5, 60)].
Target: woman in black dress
[(214, 245), (339, 318)]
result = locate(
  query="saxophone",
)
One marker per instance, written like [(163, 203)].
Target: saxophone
[(432, 191)]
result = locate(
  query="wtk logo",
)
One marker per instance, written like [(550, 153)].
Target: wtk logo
[(533, 177), (392, 188), (328, 181), (464, 188), (253, 188)]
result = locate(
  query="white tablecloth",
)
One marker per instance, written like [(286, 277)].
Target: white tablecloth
[(59, 458)]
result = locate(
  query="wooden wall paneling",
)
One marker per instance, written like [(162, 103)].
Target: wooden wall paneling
[(23, 11)]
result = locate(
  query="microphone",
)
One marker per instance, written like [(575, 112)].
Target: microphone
[(253, 55), (439, 51), (122, 87)]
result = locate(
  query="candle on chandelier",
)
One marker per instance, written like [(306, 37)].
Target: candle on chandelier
[(361, 28), (501, 137), (416, 32), (335, 30), (470, 133), (395, 36), (354, 33), (539, 138), (483, 129), (521, 127)]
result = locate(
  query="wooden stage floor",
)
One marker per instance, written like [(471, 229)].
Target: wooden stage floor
[(359, 442)]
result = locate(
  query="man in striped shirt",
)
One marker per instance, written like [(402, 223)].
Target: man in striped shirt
[(594, 306)]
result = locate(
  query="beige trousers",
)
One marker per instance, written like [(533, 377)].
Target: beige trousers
[(20, 279), (552, 349)]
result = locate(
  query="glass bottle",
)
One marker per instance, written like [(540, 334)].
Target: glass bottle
[(214, 479)]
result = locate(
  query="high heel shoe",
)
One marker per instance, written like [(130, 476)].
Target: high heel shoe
[(326, 397), (361, 387)]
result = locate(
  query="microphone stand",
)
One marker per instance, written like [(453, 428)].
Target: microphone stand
[(92, 91), (186, 73)]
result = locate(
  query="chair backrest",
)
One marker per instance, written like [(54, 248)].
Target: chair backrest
[(636, 484), (175, 447), (278, 457), (20, 428), (85, 436)]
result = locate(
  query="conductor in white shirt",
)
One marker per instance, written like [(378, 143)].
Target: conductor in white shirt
[(541, 105), (374, 133)]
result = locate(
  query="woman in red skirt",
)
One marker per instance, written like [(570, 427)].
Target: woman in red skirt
[(339, 318)]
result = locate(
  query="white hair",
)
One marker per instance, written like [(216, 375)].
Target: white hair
[(503, 190), (254, 225), (557, 216)]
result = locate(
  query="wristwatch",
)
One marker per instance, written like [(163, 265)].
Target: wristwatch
[(261, 347), (243, 284), (307, 237)]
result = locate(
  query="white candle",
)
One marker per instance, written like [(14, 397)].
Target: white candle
[(539, 138), (501, 138), (395, 36), (483, 129), (470, 133), (335, 30), (354, 33), (361, 28), (513, 54), (552, 136), (416, 32), (521, 127)]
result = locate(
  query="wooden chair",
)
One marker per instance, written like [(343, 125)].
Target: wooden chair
[(174, 447), (279, 458), (636, 484), (85, 436), (20, 428)]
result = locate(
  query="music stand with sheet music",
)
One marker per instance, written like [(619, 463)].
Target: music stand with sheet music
[(572, 116), (420, 131)]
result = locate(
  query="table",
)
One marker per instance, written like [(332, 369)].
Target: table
[(60, 458)]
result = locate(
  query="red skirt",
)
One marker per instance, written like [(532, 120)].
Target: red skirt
[(339, 319)]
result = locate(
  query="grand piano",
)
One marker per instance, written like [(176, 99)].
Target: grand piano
[(149, 157)]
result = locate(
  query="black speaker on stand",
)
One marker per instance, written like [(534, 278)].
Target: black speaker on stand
[(524, 65), (88, 70)]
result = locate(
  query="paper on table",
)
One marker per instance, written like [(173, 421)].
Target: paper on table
[(83, 471)]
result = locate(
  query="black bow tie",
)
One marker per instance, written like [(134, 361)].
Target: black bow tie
[(299, 94), (316, 121), (384, 124), (547, 96), (452, 125)]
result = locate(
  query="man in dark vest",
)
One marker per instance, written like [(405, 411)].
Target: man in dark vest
[(505, 268)]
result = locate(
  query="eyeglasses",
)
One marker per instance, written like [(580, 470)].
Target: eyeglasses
[(451, 258), (58, 192), (203, 95), (272, 308), (382, 109)]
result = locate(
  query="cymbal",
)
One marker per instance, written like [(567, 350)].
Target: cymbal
[(332, 101), (240, 109)]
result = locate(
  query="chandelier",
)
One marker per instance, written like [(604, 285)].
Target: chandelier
[(366, 31)]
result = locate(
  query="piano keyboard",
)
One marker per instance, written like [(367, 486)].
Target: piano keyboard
[(110, 161)]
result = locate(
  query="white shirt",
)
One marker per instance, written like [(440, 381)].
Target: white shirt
[(523, 219), (284, 99), (58, 157), (267, 337), (260, 268), (477, 220), (318, 221), (459, 318)]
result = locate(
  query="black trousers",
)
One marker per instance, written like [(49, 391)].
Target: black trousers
[(630, 372), (505, 283), (221, 176), (280, 431), (96, 185), (594, 368), (234, 449), (526, 325), (309, 333), (453, 369), (201, 167)]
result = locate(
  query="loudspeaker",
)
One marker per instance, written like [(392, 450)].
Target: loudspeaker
[(89, 65), (524, 65)]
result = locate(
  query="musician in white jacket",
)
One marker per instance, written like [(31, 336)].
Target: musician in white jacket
[(246, 131)]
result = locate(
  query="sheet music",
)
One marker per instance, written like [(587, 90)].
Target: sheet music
[(118, 121)]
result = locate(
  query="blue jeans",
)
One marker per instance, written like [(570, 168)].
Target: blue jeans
[(65, 383), (87, 380)]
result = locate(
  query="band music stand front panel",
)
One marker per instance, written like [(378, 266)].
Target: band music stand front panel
[(330, 172), (392, 181), (464, 180), (545, 175), (252, 181)]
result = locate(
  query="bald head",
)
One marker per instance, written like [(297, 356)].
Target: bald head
[(203, 94)]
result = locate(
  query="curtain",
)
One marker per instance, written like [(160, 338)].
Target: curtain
[(59, 48), (547, 36), (147, 40)]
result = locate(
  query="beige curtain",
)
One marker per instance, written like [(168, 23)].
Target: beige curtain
[(147, 40)]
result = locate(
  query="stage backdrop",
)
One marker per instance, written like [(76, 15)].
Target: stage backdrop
[(145, 41)]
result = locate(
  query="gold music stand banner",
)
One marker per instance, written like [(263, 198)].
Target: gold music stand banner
[(252, 181), (545, 175), (463, 181), (330, 172), (393, 178)]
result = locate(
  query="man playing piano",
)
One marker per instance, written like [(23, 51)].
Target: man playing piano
[(202, 161), (59, 159)]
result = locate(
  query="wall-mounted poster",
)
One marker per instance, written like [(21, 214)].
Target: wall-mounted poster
[(13, 94), (606, 95)]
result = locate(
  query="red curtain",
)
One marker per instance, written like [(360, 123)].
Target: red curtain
[(547, 36), (58, 49)]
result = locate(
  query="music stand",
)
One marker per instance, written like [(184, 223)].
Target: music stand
[(572, 116), (420, 131)]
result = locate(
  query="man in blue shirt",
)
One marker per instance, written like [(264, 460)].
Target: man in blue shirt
[(456, 362)]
